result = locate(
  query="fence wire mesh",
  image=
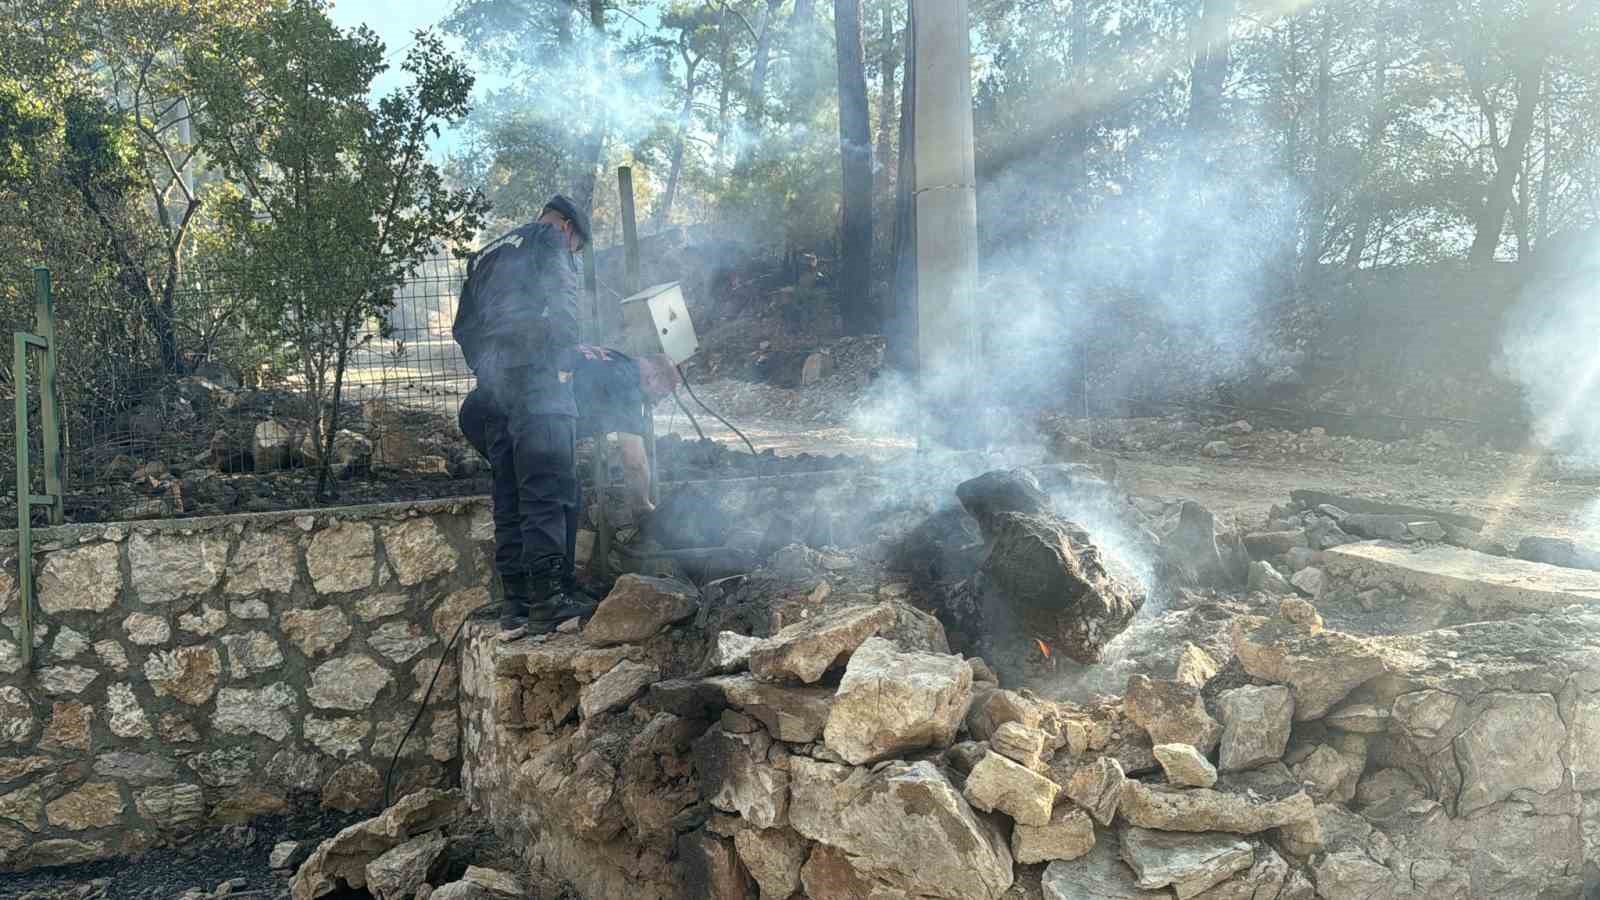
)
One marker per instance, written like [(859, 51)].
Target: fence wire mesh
[(205, 410)]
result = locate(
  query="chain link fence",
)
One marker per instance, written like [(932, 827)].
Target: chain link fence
[(222, 418)]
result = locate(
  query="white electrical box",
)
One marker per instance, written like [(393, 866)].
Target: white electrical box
[(657, 321)]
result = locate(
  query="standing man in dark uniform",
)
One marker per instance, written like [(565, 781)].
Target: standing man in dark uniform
[(517, 324), (612, 390)]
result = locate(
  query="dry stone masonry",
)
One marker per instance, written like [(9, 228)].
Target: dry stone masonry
[(208, 671)]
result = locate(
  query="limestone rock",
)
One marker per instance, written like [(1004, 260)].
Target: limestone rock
[(295, 770), (494, 884), (1195, 667), (737, 775), (226, 767), (146, 630), (1100, 875), (1310, 581), (708, 867), (1190, 863), (1266, 544), (86, 578), (96, 805), (418, 550), (164, 568), (316, 631), (1359, 718), (264, 562), (67, 645), (135, 768), (830, 874), (1301, 613), (171, 806), (1264, 578), (342, 558), (997, 783), (1328, 774), (65, 680), (265, 711), (341, 861), (455, 608), (808, 648), (774, 857), (284, 854), (889, 703), (1322, 667), (1255, 728), (352, 787), (400, 642), (126, 717), (617, 688), (398, 872), (730, 652), (349, 682), (188, 674), (1244, 803), (205, 623), (1185, 766), (68, 728), (1047, 572), (991, 709), (382, 606), (903, 825), (1020, 744), (1069, 835), (251, 654), (12, 768), (17, 721), (796, 714), (1170, 712), (638, 607), (24, 806), (1268, 877), (1514, 742), (111, 655), (1098, 788)]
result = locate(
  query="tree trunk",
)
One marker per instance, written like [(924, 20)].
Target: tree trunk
[(886, 69), (659, 220), (1546, 158), (855, 147), (1376, 126), (1210, 70), (594, 142), (1508, 162), (902, 326), (725, 85), (1519, 213), (1078, 50), (758, 66), (1317, 215)]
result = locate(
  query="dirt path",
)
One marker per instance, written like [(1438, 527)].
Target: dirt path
[(1504, 490)]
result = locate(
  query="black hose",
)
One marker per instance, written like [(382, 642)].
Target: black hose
[(388, 777), (692, 420), (718, 416)]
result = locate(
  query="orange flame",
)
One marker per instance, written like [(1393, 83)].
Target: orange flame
[(1043, 647)]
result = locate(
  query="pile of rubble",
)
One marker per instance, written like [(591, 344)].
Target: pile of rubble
[(413, 851)]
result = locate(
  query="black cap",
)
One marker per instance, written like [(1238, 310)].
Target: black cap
[(569, 211)]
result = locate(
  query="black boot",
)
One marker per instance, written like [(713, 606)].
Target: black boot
[(552, 605), (517, 594)]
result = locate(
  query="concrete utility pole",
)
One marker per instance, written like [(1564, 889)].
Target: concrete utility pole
[(949, 343)]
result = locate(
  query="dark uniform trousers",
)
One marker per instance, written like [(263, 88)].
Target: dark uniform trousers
[(533, 458)]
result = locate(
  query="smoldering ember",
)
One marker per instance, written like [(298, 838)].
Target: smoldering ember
[(736, 449)]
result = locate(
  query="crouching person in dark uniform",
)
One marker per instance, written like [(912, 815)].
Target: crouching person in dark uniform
[(611, 389), (517, 325)]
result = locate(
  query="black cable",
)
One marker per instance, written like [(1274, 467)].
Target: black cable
[(388, 777), (690, 388), (692, 420)]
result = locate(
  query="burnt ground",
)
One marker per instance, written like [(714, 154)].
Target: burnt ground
[(205, 860)]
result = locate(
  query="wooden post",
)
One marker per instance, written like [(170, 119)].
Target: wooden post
[(630, 242), (591, 283), (630, 229), (600, 557)]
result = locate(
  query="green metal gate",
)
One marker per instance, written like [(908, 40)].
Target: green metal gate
[(44, 343)]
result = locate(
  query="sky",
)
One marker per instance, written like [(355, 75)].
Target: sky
[(396, 21)]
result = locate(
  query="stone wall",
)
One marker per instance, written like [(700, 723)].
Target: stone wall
[(207, 671)]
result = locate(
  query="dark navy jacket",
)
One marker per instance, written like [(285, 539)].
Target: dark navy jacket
[(517, 321)]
